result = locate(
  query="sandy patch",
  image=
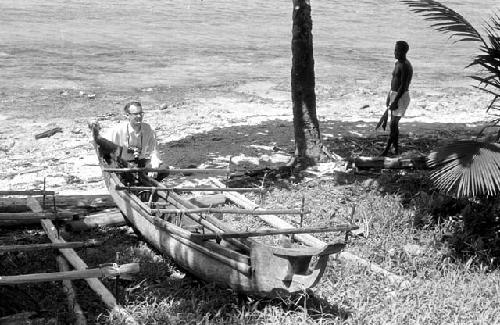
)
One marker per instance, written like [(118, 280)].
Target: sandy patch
[(250, 125)]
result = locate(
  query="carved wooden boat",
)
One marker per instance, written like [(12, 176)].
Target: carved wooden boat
[(243, 264)]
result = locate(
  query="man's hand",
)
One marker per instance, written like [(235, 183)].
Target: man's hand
[(394, 105)]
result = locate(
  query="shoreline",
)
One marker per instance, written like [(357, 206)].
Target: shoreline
[(251, 122)]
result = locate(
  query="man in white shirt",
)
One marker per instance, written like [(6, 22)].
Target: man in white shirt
[(135, 140)]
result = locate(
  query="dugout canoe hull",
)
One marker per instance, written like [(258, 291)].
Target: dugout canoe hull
[(244, 265)]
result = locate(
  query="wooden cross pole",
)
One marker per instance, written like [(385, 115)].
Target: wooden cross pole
[(215, 171), (186, 189), (269, 232), (229, 211)]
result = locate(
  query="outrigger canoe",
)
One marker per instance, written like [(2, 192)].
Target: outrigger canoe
[(205, 247)]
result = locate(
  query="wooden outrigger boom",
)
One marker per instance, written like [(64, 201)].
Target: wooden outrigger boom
[(186, 189), (269, 232), (101, 272), (229, 211), (35, 247), (214, 171)]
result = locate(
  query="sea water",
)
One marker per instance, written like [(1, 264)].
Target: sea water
[(119, 44)]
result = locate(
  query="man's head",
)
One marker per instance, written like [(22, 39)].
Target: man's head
[(401, 49), (134, 113)]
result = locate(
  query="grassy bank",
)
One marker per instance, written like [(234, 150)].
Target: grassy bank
[(398, 214)]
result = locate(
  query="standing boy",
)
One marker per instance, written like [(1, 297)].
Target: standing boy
[(398, 98)]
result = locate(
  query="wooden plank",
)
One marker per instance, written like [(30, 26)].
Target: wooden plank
[(101, 272), (29, 192), (36, 247), (218, 171), (96, 285), (83, 201), (229, 211), (70, 293), (270, 232), (186, 189), (36, 216)]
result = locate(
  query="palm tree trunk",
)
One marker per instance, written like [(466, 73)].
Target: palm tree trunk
[(308, 145)]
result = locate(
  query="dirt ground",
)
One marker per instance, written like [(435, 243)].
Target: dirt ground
[(248, 124)]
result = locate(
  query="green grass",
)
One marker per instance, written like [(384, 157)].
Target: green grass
[(442, 287), (399, 211)]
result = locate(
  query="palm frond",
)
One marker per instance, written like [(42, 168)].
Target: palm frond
[(450, 21), (467, 168)]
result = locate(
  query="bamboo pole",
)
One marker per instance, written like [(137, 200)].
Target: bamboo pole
[(96, 285), (218, 171), (36, 247), (229, 211), (101, 272), (70, 293), (269, 232), (186, 189)]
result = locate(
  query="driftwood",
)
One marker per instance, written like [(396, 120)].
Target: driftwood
[(419, 162), (310, 240), (48, 133), (111, 217), (101, 272), (229, 211), (36, 247), (96, 285), (269, 232), (70, 293)]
